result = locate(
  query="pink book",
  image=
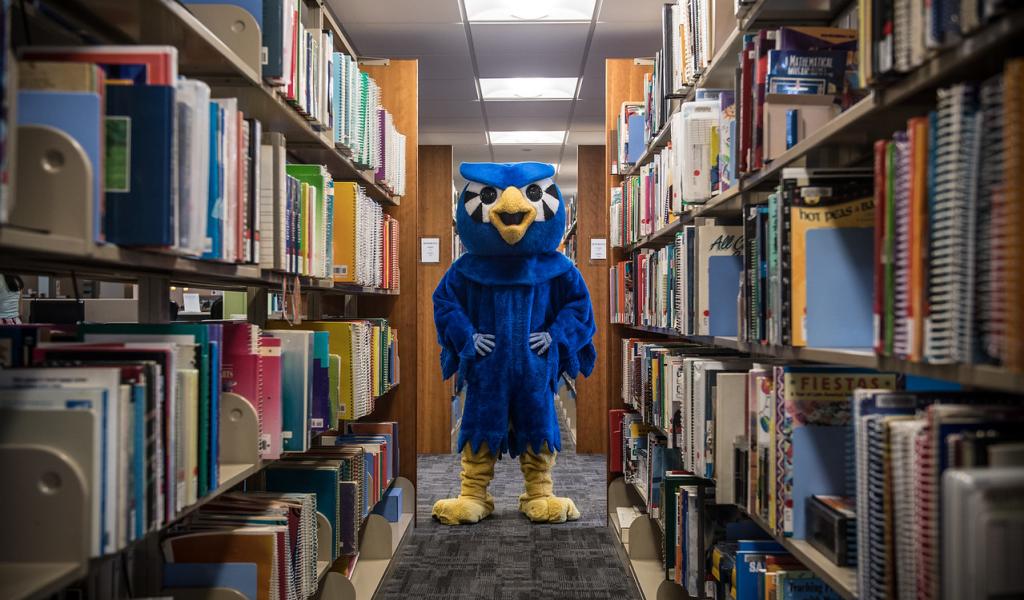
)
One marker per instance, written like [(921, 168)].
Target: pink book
[(270, 367)]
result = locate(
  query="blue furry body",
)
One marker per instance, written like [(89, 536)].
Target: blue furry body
[(510, 392)]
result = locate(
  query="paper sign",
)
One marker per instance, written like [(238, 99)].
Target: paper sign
[(598, 248), (430, 250), (191, 303)]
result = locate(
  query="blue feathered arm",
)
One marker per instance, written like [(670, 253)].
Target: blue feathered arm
[(573, 328), (454, 330)]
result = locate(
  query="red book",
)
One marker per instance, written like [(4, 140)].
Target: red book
[(746, 106), (763, 44), (270, 423), (615, 439), (154, 65)]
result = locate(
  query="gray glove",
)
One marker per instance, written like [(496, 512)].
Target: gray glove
[(540, 342), (483, 343)]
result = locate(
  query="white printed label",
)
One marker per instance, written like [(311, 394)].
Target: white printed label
[(265, 442), (316, 423), (286, 435)]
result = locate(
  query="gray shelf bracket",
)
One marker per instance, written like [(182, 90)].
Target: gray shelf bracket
[(236, 27), (239, 431)]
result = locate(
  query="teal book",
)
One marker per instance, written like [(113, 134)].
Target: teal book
[(311, 477), (296, 387)]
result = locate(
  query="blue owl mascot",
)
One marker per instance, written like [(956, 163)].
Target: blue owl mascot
[(512, 315)]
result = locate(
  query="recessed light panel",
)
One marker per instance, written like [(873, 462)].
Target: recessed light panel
[(529, 88), (527, 137), (529, 10)]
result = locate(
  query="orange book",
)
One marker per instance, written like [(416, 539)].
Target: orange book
[(917, 130)]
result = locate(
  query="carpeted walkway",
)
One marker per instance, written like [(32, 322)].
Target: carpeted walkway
[(506, 557)]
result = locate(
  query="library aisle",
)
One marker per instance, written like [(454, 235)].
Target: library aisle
[(505, 556)]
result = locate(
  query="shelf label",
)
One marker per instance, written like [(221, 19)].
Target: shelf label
[(430, 250)]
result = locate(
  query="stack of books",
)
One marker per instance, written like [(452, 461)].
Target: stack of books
[(366, 242)]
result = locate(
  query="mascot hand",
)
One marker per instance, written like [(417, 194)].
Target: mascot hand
[(540, 342), (484, 343)]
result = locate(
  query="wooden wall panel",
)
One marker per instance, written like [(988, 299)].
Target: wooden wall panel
[(624, 81), (399, 82), (592, 222), (435, 220)]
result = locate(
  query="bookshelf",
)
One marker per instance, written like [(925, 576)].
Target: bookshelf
[(218, 48), (845, 140)]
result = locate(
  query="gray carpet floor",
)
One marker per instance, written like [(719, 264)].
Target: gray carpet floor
[(506, 557)]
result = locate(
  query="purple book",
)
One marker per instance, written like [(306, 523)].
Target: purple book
[(348, 525), (380, 174)]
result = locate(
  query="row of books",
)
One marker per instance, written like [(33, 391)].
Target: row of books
[(947, 246), (570, 242), (144, 402), (327, 87), (367, 240), (262, 545), (758, 569), (265, 543), (900, 35), (691, 287), (935, 474), (807, 254)]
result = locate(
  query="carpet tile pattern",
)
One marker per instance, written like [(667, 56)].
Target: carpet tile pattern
[(505, 557)]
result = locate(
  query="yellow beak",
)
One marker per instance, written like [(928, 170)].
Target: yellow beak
[(512, 215)]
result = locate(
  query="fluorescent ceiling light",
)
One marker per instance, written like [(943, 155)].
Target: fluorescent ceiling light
[(529, 88), (526, 137), (529, 10)]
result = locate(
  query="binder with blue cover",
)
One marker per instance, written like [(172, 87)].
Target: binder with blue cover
[(233, 576), (140, 165), (78, 114), (840, 284), (819, 467), (273, 38), (296, 369)]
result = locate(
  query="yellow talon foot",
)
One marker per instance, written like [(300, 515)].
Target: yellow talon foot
[(463, 510), (549, 509)]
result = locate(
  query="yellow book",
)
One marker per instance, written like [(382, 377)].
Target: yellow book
[(188, 383), (345, 196)]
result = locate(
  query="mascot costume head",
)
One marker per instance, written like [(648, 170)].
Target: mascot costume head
[(512, 315)]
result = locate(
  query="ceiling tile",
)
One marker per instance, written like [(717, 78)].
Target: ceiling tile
[(625, 40), (526, 153), (519, 64), (449, 138), (386, 11), (468, 124), (448, 109), (447, 89), (528, 110), (446, 66), (526, 124), (588, 115), (512, 40), (422, 39), (641, 11)]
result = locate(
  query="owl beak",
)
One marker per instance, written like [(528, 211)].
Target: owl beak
[(512, 215)]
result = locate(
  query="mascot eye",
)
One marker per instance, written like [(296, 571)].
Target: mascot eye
[(488, 195), (543, 195)]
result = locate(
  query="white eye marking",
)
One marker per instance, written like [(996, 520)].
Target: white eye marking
[(541, 194), (478, 199)]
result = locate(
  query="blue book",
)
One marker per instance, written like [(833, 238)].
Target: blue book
[(840, 284), (139, 160), (320, 398), (215, 217), (80, 115), (139, 459), (273, 38), (806, 72), (750, 554), (635, 141), (234, 576), (390, 506), (723, 289), (216, 343)]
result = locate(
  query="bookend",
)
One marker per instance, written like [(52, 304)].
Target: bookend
[(324, 536), (45, 508), (237, 28), (239, 434), (55, 187), (644, 543), (378, 542)]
